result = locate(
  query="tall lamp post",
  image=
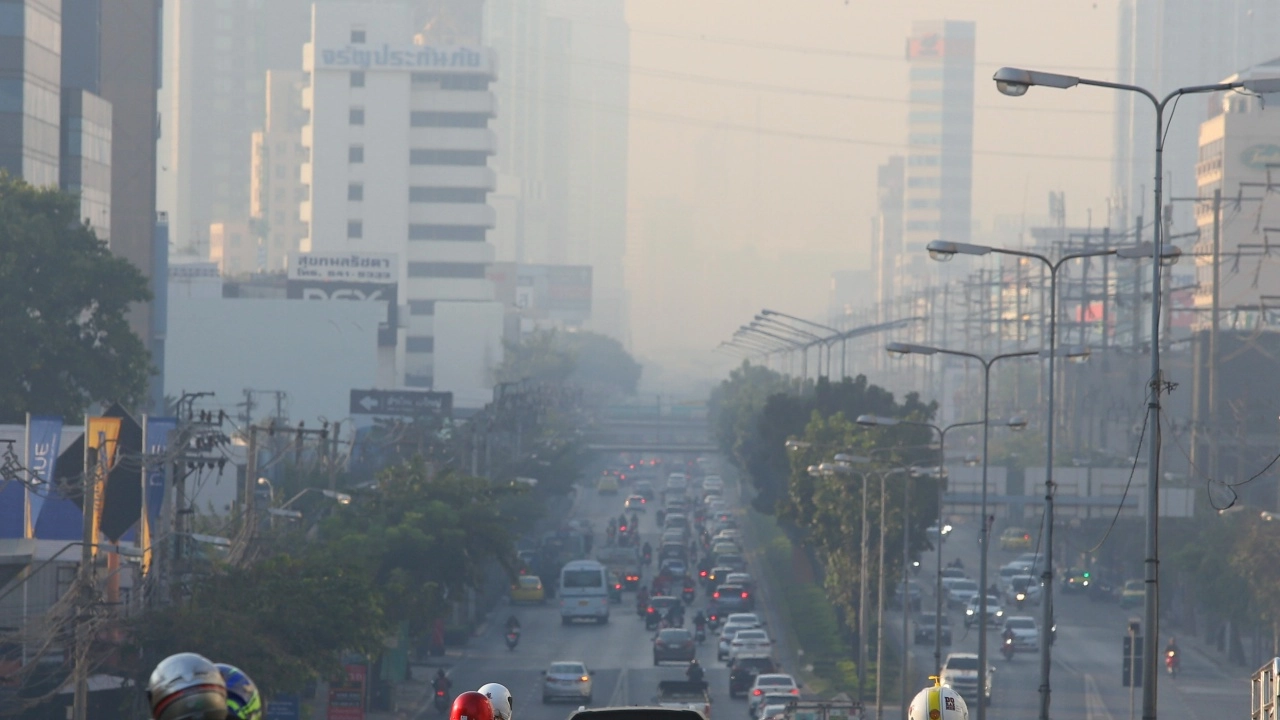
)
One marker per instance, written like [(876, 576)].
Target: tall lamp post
[(912, 348), (1017, 424), (1015, 82), (804, 336), (766, 312), (944, 250)]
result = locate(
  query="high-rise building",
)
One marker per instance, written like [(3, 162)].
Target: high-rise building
[(30, 74), (399, 144), (1238, 155), (886, 232), (85, 162), (563, 87), (1164, 45), (939, 172), (277, 159)]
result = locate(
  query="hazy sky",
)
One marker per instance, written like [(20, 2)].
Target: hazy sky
[(757, 127)]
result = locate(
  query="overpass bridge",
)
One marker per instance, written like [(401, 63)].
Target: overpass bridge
[(651, 435)]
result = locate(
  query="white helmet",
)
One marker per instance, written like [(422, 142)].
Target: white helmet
[(500, 697), (939, 702)]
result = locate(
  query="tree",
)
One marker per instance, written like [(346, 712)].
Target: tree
[(64, 298), (579, 357)]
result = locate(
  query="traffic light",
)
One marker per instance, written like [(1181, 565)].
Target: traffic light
[(1131, 672)]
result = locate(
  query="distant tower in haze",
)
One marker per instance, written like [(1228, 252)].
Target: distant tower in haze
[(939, 172), (1163, 45)]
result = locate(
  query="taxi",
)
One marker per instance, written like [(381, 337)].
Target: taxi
[(608, 485), (527, 589)]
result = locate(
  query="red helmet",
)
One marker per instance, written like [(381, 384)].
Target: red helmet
[(471, 706)]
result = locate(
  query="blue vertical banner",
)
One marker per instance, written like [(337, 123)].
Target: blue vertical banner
[(159, 433), (44, 442)]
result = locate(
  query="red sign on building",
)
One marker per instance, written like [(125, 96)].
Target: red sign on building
[(346, 695)]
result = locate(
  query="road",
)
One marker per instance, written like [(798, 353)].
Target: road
[(619, 652), (1085, 677)]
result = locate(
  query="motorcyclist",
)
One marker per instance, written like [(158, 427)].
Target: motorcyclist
[(187, 686), (471, 705), (694, 672), (501, 700), (513, 623), (647, 551), (699, 621), (441, 681), (243, 700), (675, 615), (939, 702), (1171, 649)]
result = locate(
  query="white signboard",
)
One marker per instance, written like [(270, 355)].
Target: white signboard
[(440, 58), (345, 267)]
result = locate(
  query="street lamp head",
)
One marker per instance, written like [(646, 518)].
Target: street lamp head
[(847, 459), (876, 421), (813, 471), (901, 348), (794, 445), (1017, 423), (972, 459), (944, 250), (1262, 86), (1169, 254), (341, 497), (826, 469), (1015, 82)]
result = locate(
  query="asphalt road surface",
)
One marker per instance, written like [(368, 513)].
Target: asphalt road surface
[(1086, 672), (619, 652)]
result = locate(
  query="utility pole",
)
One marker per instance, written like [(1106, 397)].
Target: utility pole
[(333, 456), (85, 581), (1213, 334)]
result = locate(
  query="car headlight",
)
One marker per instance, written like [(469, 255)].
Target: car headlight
[(968, 611), (999, 613)]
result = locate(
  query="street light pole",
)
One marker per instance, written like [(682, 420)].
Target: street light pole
[(907, 348), (1016, 82), (843, 339)]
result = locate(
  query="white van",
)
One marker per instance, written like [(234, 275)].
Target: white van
[(584, 591)]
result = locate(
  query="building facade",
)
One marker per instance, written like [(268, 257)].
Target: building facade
[(85, 162), (276, 188), (31, 75), (399, 143), (886, 232), (1163, 45)]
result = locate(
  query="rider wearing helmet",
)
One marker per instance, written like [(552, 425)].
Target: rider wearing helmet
[(939, 702), (501, 700), (187, 686), (694, 672), (471, 705), (243, 700)]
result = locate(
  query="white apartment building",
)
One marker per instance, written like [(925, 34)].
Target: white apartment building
[(399, 146)]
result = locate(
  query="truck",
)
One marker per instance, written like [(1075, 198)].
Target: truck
[(684, 695)]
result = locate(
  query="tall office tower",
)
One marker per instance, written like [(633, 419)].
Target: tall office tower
[(32, 30), (1164, 45), (277, 159), (886, 233), (399, 145), (939, 172), (563, 85)]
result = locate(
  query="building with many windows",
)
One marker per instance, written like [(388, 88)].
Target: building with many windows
[(399, 146), (276, 188), (939, 173)]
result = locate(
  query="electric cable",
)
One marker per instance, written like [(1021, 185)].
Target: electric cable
[(1132, 470)]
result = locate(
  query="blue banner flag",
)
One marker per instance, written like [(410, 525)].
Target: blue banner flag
[(44, 442)]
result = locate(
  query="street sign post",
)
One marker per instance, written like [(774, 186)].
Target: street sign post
[(402, 403)]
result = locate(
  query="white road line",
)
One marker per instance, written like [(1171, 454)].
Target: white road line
[(1094, 708), (617, 698)]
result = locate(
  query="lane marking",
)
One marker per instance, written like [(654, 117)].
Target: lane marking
[(615, 699), (1094, 707)]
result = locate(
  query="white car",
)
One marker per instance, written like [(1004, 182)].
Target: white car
[(961, 592), (1027, 562), (960, 673), (567, 679), (749, 642), (727, 633), (1025, 585), (972, 614), (770, 684), (712, 484), (1026, 634), (772, 712), (751, 620)]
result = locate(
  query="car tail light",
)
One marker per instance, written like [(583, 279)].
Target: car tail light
[(795, 691), (703, 573), (716, 594), (650, 611), (757, 691), (439, 693), (618, 586), (622, 529), (744, 596)]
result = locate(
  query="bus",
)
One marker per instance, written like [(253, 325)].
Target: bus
[(584, 591)]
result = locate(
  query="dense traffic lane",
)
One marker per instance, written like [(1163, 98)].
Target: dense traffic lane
[(620, 652), (1086, 679)]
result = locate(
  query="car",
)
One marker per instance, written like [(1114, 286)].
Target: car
[(616, 585), (1007, 573), (747, 582), (1015, 538), (1075, 580), (644, 489), (935, 536), (733, 561), (528, 589), (631, 580), (752, 641), (712, 484), (1028, 562), (636, 503), (1133, 594), (727, 634), (661, 604), (949, 576), (732, 535), (1024, 585), (730, 599), (724, 547), (607, 485), (926, 624), (567, 679), (960, 673), (674, 568), (995, 613), (1026, 634), (914, 596), (747, 618), (677, 484), (960, 592), (743, 670), (672, 546), (770, 684), (673, 644), (772, 710)]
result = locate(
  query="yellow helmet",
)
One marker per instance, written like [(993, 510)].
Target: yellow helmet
[(939, 702)]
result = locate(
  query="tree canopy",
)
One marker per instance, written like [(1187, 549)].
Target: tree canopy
[(65, 297), (578, 357)]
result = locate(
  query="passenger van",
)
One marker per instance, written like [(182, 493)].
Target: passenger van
[(584, 591)]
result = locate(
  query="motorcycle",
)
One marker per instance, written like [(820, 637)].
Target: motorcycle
[(687, 595), (652, 620), (915, 566), (441, 701), (1020, 598), (1171, 662), (714, 621), (700, 634), (1007, 649), (513, 638)]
